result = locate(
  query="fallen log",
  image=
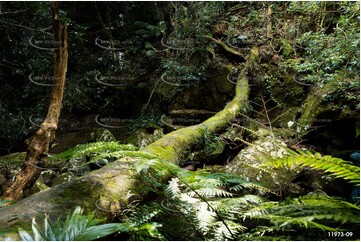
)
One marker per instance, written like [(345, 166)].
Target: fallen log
[(107, 190)]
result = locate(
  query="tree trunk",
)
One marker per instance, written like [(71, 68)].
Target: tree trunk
[(38, 148), (106, 191)]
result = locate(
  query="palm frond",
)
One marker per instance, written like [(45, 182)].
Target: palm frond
[(75, 227)]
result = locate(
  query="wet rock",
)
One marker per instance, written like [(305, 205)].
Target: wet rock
[(10, 165), (144, 137), (65, 177), (78, 166), (38, 186), (48, 176), (248, 164), (102, 134)]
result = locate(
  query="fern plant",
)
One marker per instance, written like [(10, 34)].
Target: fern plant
[(221, 206), (81, 227), (336, 167), (317, 213), (94, 148), (196, 197)]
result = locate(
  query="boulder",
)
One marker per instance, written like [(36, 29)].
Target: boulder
[(248, 164), (65, 177), (143, 137)]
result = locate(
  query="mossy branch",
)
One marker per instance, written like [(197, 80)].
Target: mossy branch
[(224, 46)]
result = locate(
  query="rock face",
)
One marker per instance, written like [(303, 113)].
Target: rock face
[(102, 134), (211, 94), (143, 137), (248, 163), (65, 177), (9, 166)]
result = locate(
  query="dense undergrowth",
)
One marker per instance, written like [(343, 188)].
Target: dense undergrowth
[(304, 48), (211, 205)]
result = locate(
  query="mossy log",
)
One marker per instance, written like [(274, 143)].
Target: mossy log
[(312, 108), (106, 191), (224, 46)]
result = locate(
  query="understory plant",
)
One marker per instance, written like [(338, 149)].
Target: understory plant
[(207, 204)]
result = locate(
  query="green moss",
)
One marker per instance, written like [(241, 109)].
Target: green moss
[(309, 111), (162, 152), (12, 160)]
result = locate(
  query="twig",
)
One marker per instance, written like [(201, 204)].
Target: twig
[(25, 27)]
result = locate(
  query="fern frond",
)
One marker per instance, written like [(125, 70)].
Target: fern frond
[(174, 187), (334, 166), (222, 233), (308, 212), (210, 192), (95, 148)]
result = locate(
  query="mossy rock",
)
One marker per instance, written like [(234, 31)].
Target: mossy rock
[(38, 186), (65, 177), (66, 141), (12, 160), (102, 134), (78, 166), (210, 94), (248, 165), (11, 164), (209, 153), (48, 176), (144, 137)]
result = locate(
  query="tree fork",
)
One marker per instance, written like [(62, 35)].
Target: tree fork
[(38, 148)]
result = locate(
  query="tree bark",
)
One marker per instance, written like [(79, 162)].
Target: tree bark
[(38, 148), (106, 191)]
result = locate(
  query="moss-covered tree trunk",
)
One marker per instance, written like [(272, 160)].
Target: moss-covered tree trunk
[(107, 189), (39, 146)]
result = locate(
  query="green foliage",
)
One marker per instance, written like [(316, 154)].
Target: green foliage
[(94, 149), (311, 213), (187, 63), (334, 166), (330, 56), (197, 197), (79, 227), (219, 206)]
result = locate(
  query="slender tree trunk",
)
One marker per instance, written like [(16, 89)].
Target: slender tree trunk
[(38, 148)]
